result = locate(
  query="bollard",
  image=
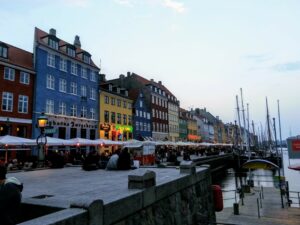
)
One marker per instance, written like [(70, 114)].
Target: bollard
[(262, 192), (260, 200), (236, 209)]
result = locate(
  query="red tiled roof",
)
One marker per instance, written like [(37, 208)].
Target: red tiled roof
[(19, 57), (39, 34), (145, 82)]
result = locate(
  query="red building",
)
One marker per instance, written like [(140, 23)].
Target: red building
[(16, 91)]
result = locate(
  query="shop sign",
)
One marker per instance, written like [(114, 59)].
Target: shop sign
[(50, 130), (296, 145), (124, 128)]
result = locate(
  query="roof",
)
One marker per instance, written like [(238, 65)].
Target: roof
[(18, 57), (40, 34)]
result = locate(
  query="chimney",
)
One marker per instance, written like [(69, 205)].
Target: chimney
[(122, 76), (77, 43), (160, 82), (128, 74), (52, 32), (152, 80)]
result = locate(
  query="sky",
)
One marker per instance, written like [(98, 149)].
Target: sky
[(204, 52)]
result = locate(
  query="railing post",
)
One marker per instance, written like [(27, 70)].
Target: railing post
[(258, 208), (260, 200), (262, 192)]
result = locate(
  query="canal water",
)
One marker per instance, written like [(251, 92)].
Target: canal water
[(263, 178)]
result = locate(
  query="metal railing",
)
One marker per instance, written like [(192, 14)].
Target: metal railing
[(293, 195), (235, 193)]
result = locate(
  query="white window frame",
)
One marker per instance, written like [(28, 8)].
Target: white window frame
[(84, 73), (93, 76), (93, 113), (63, 85), (93, 93), (73, 111), (83, 112), (9, 73), (51, 60), (50, 106), (73, 88), (7, 101), (74, 69), (63, 65), (62, 109), (23, 104), (83, 91), (24, 77), (50, 83)]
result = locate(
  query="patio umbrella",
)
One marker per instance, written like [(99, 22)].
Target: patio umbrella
[(259, 164)]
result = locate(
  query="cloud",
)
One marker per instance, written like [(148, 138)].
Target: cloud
[(77, 3), (175, 5), (259, 58), (124, 2), (287, 67)]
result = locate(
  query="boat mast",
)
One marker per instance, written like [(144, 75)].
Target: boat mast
[(248, 131), (280, 137), (268, 126), (253, 128), (244, 121), (239, 119)]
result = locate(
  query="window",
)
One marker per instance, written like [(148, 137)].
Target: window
[(124, 104), (50, 82), (149, 128), (51, 60), (145, 126), (9, 74), (141, 114), (73, 68), (112, 101), (145, 116), (129, 120), (141, 104), (93, 76), (113, 117), (129, 105), (119, 118), (137, 112), (93, 113), (62, 85), (118, 102), (7, 101), (153, 99), (86, 59), (83, 91), (106, 99), (106, 116), (73, 88), (3, 51), (53, 43), (153, 112), (92, 93), (137, 125), (50, 106), (83, 112), (23, 104), (141, 126), (71, 52), (125, 119), (83, 73), (24, 78), (63, 65), (62, 108), (73, 110)]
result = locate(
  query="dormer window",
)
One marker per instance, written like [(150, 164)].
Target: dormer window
[(70, 52), (53, 43), (3, 51), (110, 87), (86, 58)]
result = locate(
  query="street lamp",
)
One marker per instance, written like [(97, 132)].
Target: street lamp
[(8, 125), (41, 140)]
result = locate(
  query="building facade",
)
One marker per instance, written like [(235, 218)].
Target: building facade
[(66, 87), (115, 113), (16, 91), (173, 112), (182, 125), (141, 116)]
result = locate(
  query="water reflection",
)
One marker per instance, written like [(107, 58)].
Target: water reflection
[(264, 178)]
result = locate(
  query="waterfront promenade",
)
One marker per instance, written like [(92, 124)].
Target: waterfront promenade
[(271, 211)]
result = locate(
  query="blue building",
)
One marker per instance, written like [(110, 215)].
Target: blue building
[(66, 87), (141, 116)]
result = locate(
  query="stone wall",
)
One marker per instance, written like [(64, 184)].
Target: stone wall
[(184, 200)]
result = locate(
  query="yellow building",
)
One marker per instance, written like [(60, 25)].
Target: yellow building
[(192, 134), (115, 113)]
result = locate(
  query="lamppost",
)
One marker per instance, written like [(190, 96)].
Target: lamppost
[(7, 124), (41, 140)]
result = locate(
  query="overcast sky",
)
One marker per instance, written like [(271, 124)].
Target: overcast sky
[(203, 51)]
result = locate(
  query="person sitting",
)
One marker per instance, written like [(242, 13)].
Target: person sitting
[(91, 162), (124, 162), (10, 197), (112, 163)]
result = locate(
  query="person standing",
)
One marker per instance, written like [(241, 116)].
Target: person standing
[(124, 162), (10, 197)]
